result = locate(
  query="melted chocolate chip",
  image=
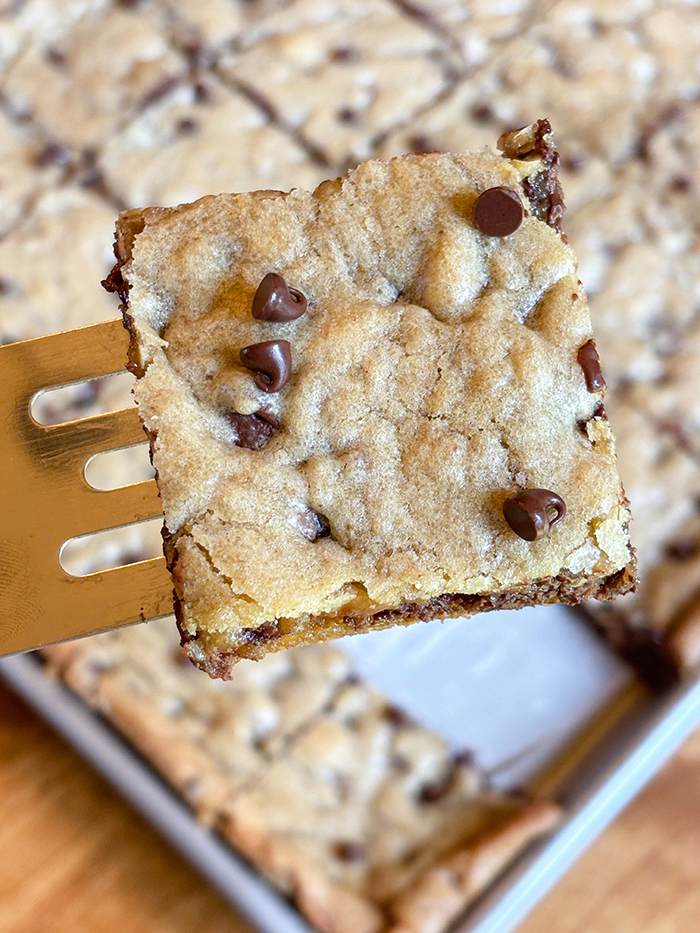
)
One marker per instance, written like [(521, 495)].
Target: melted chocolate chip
[(313, 525), (6, 287), (351, 851), (498, 212), (542, 189), (271, 361), (532, 513), (115, 283), (265, 632), (254, 431), (276, 301), (590, 364)]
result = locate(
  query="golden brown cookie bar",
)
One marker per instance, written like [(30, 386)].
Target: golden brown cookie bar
[(353, 809), (411, 432)]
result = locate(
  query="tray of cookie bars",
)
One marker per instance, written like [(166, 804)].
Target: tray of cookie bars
[(477, 758)]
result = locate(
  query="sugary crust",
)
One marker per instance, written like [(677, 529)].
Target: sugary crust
[(408, 450)]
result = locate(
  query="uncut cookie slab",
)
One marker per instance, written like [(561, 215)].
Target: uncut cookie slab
[(414, 431)]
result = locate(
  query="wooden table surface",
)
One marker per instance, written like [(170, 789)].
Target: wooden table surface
[(74, 858)]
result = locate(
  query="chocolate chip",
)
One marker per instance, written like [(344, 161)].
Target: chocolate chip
[(482, 113), (201, 93), (313, 525), (196, 55), (532, 513), (498, 212), (268, 416), (348, 115), (56, 57), (253, 431), (431, 793), (422, 143), (265, 632), (6, 287), (396, 716), (276, 301), (52, 154), (351, 851), (683, 549), (574, 162), (344, 54), (271, 361), (590, 364), (681, 183), (186, 126), (464, 758)]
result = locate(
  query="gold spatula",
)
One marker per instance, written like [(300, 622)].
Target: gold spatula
[(45, 498)]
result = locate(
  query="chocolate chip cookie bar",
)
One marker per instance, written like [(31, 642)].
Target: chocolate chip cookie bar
[(373, 404), (367, 819)]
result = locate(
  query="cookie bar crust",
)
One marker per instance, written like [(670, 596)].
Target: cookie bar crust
[(434, 375)]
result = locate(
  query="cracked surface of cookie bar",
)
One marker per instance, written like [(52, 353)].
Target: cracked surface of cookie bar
[(434, 375), (351, 807)]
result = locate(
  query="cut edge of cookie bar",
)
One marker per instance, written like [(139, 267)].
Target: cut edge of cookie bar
[(529, 162), (334, 873)]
